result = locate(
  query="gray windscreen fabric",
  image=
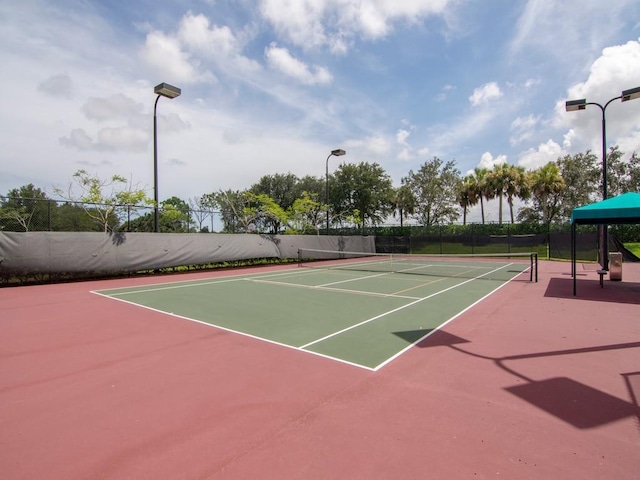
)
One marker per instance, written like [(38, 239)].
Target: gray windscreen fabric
[(69, 252)]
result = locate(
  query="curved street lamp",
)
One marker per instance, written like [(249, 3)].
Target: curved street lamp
[(168, 91), (573, 105), (334, 153)]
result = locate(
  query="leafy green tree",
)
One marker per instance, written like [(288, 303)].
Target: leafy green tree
[(435, 187), (622, 176), (631, 181), (282, 188), (174, 216), (314, 186), (581, 174), (263, 213), (26, 208), (361, 193), (71, 217), (307, 213), (230, 203), (104, 200)]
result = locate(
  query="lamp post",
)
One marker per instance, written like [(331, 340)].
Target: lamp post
[(334, 153), (168, 91), (573, 105)]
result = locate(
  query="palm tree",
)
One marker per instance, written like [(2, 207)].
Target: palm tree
[(547, 182), (516, 185), (468, 195), (482, 188), (403, 201), (497, 180)]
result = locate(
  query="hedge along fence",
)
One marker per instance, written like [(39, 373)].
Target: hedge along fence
[(551, 242)]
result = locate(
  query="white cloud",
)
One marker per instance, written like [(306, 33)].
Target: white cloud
[(488, 161), (281, 60), (402, 135), (117, 107), (523, 128), (404, 155), (446, 137), (538, 157), (376, 145), (568, 138), (122, 139), (196, 33), (484, 94), (334, 23), (164, 54), (617, 69), (220, 44), (79, 139), (57, 86), (568, 29), (444, 93)]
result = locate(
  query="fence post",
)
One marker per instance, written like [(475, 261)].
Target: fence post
[(473, 239)]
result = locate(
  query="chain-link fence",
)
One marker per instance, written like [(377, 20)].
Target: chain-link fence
[(36, 215), (554, 241)]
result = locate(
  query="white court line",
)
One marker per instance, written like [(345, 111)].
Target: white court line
[(329, 289), (195, 283), (296, 272), (254, 337), (400, 308), (392, 358)]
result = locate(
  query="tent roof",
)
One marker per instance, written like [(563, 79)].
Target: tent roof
[(621, 209)]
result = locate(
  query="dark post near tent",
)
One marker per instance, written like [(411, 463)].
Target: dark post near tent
[(168, 91), (573, 105), (334, 153)]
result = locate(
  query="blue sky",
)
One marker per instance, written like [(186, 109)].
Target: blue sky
[(272, 86)]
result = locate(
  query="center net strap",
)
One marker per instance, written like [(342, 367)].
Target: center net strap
[(503, 266)]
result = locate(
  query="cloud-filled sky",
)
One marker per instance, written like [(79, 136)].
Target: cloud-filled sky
[(272, 86)]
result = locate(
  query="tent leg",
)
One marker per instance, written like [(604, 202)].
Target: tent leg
[(573, 257)]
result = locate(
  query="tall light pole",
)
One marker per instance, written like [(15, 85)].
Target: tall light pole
[(334, 153), (168, 91), (573, 105)]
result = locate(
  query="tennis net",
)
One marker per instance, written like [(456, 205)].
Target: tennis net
[(501, 266)]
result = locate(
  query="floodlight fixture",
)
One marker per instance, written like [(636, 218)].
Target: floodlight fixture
[(631, 94), (573, 105), (167, 90)]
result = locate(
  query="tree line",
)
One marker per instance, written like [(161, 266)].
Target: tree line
[(354, 195)]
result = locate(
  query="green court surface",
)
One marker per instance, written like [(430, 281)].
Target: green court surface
[(362, 318)]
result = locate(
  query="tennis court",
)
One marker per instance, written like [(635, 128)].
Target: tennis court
[(94, 387), (358, 308)]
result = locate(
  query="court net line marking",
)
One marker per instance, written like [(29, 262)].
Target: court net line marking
[(364, 322)]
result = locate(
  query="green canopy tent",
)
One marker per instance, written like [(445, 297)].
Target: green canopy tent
[(612, 211)]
